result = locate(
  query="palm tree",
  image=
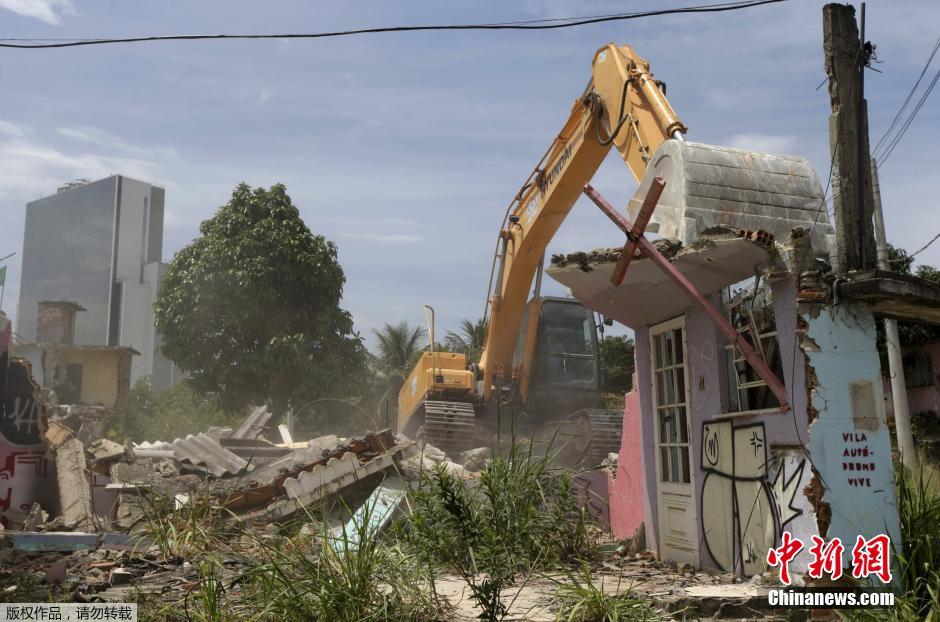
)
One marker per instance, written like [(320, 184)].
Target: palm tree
[(469, 339), (400, 345)]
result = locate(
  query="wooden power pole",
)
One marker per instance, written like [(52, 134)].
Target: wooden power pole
[(848, 140)]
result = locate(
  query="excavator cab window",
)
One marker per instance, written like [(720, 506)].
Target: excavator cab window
[(568, 344)]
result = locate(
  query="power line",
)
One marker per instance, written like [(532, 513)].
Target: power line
[(907, 100), (924, 247), (894, 143), (551, 24)]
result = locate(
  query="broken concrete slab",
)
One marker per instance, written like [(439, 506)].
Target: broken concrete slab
[(648, 295), (74, 491), (895, 296), (103, 451)]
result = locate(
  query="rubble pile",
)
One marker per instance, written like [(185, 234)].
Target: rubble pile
[(99, 543)]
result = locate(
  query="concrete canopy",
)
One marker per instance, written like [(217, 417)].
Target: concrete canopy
[(647, 295)]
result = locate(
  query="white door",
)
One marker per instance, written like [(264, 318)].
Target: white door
[(678, 540)]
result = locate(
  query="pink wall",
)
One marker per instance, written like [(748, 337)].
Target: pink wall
[(923, 399), (627, 494)]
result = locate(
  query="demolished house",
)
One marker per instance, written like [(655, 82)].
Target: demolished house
[(758, 404)]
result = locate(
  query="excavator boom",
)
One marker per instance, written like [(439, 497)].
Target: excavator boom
[(552, 370), (623, 106)]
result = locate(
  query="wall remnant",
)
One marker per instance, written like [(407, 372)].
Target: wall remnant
[(746, 506), (849, 441)]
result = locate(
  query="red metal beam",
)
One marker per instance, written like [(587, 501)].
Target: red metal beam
[(638, 229), (716, 316)]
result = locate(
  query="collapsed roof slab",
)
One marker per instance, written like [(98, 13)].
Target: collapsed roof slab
[(647, 295)]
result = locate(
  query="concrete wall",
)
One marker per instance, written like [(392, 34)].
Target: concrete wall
[(644, 385), (780, 436), (927, 399), (849, 438), (101, 382), (27, 468), (627, 485)]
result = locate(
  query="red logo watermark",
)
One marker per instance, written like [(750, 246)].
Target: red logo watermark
[(869, 557)]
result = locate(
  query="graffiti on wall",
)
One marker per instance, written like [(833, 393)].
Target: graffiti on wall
[(749, 496), (26, 472)]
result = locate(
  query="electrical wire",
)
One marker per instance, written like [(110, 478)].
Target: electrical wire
[(897, 116), (907, 124), (552, 24), (924, 247)]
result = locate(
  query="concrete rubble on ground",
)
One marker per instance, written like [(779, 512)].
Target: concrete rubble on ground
[(98, 545)]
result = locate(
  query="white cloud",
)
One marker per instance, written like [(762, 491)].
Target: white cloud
[(12, 129), (49, 11), (391, 238), (101, 138), (770, 143)]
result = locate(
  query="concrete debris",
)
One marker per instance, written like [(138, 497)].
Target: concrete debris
[(476, 459), (433, 454), (104, 451), (74, 492)]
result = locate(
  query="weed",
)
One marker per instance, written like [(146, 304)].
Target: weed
[(206, 603), (182, 529), (918, 561), (519, 518), (581, 601), (337, 580)]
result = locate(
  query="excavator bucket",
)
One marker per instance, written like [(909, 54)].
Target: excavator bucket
[(709, 186)]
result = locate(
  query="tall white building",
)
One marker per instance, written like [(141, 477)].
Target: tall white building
[(99, 244)]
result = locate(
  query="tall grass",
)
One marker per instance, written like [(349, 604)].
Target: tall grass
[(515, 520), (918, 559), (580, 600), (332, 579), (182, 529)]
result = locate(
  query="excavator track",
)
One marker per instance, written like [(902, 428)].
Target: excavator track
[(450, 426)]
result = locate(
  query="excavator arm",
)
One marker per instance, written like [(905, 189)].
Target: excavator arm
[(624, 107)]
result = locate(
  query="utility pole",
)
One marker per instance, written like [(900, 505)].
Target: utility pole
[(855, 202), (848, 140), (902, 413)]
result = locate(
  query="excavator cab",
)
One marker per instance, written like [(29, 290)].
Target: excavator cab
[(565, 385), (565, 366)]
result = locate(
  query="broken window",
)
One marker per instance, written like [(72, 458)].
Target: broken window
[(751, 311)]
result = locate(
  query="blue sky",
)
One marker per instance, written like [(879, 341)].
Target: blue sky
[(405, 149)]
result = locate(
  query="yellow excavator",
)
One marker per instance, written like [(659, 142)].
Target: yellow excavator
[(540, 364)]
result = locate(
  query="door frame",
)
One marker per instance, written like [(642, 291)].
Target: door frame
[(672, 488)]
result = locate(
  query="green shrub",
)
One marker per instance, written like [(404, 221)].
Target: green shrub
[(143, 414), (518, 517)]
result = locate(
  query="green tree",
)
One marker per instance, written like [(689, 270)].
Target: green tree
[(251, 307), (468, 340), (617, 363), (144, 415), (400, 345)]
